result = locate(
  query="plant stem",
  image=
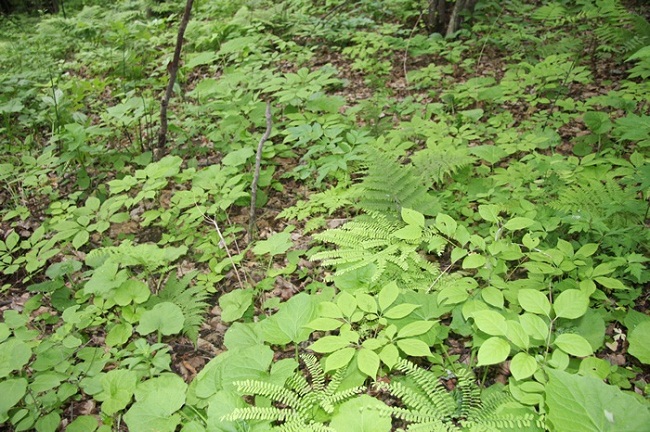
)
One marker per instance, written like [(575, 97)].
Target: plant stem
[(256, 175), (173, 70)]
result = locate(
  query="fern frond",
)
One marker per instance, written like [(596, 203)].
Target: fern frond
[(259, 413), (191, 300), (269, 390), (435, 162)]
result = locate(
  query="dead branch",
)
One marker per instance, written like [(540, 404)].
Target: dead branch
[(256, 175)]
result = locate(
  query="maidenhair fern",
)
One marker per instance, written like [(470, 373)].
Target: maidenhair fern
[(437, 162), (298, 405), (393, 248), (191, 300), (429, 406)]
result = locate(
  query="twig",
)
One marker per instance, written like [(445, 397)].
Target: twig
[(225, 245), (173, 70), (256, 175)]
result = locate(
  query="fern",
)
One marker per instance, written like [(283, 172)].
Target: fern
[(369, 240), (302, 406), (436, 162), (389, 186), (429, 406), (191, 300)]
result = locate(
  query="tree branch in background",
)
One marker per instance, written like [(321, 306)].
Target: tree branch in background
[(256, 175), (173, 70)]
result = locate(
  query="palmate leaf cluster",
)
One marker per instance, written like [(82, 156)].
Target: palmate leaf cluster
[(299, 405), (429, 406)]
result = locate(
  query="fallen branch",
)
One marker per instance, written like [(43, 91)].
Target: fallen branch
[(256, 175)]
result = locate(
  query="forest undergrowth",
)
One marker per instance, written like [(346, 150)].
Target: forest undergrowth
[(451, 234)]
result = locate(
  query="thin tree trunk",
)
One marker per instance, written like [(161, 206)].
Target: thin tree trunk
[(172, 68), (256, 174)]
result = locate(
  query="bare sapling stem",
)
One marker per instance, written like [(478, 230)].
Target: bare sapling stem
[(256, 174)]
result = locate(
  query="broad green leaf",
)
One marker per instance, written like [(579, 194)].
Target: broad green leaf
[(362, 414), (414, 347), (523, 366), (416, 328), (388, 295), (119, 334), (489, 153), (368, 362), (412, 217), (517, 335), (150, 417), (14, 354), (235, 303), (324, 324), (277, 244), (389, 355), (80, 239), (586, 404), (493, 351), (493, 296), (587, 250), (518, 223), (367, 303), (328, 344), (571, 304), (573, 344), (84, 423), (347, 303), (446, 225), (400, 311), (240, 335), (534, 301), (490, 322), (639, 339), (288, 324), (132, 290), (166, 318), (534, 326), (610, 283), (11, 391), (118, 387), (339, 359), (489, 212), (474, 260), (409, 232), (48, 423)]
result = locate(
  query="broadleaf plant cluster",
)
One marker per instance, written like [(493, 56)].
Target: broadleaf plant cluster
[(452, 232)]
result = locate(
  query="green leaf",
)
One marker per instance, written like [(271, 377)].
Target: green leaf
[(446, 225), (587, 250), (48, 423), (412, 217), (347, 303), (493, 351), (235, 303), (150, 417), (131, 291), (389, 355), (362, 414), (489, 212), (473, 261), (571, 304), (639, 339), (368, 362), (118, 387), (534, 326), (388, 295), (416, 328), (84, 423), (493, 296), (522, 366), (518, 223), (517, 335), (610, 283), (14, 354), (409, 232), (328, 344), (534, 301), (489, 153), (324, 324), (586, 404), (119, 334), (339, 359), (166, 318), (277, 244), (238, 157), (414, 347), (400, 311), (490, 322), (12, 391), (573, 344), (80, 239), (367, 303), (289, 323)]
